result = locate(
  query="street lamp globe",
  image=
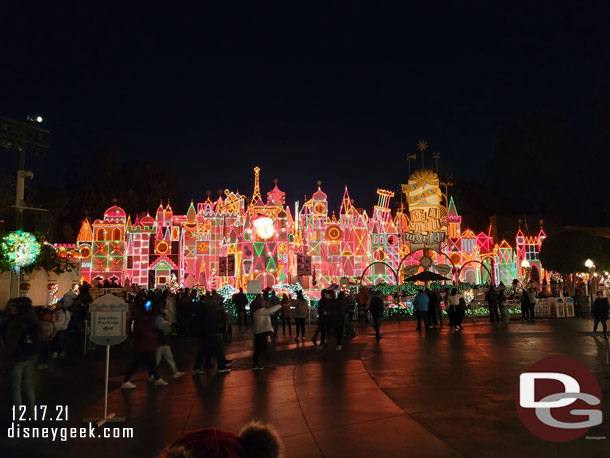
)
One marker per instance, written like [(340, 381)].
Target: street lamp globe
[(589, 264), (39, 118), (525, 264)]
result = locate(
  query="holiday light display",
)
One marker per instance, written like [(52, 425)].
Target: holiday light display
[(223, 244), (20, 249)]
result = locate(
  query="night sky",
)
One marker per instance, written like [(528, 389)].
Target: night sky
[(338, 94)]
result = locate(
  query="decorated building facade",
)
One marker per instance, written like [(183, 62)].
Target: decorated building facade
[(234, 240)]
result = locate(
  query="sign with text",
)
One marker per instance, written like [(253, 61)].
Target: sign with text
[(108, 320), (432, 240)]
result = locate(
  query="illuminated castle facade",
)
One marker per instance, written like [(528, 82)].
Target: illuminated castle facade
[(228, 241)]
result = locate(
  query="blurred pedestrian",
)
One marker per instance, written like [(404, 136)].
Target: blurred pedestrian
[(240, 300), (261, 327), (600, 312), (363, 302), (61, 320), (164, 350), (323, 305), (421, 302), (377, 306), (286, 314), (22, 336), (301, 309), (46, 338)]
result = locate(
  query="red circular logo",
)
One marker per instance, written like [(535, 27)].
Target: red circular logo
[(559, 418)]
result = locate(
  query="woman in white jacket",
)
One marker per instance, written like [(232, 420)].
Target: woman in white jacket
[(261, 326)]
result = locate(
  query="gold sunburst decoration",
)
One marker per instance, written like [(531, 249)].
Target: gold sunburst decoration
[(422, 145)]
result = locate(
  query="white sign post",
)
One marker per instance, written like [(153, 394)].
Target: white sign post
[(108, 327)]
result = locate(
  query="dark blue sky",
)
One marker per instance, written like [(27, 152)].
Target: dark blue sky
[(339, 94)]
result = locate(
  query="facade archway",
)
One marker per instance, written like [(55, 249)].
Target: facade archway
[(379, 262), (489, 273)]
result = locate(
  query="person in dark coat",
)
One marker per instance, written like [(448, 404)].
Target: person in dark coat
[(323, 306), (240, 301), (336, 316), (144, 344), (492, 302), (377, 313), (600, 312), (525, 305), (22, 336)]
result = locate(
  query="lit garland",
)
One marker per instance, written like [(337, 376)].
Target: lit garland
[(20, 249)]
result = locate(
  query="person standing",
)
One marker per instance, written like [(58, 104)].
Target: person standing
[(240, 300), (335, 317), (492, 302), (46, 338), (363, 302), (453, 301), (525, 305), (323, 304), (286, 314), (377, 306), (461, 311), (21, 335), (300, 314), (531, 296), (261, 328), (600, 312), (421, 303), (171, 314), (61, 320), (504, 309), (350, 304), (432, 309)]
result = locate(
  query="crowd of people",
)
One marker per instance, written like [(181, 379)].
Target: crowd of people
[(31, 336)]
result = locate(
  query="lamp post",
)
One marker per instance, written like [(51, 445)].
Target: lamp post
[(590, 265)]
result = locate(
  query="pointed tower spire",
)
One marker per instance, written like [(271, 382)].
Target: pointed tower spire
[(191, 214), (256, 196)]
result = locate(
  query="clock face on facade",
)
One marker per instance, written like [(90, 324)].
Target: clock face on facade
[(425, 261), (319, 208), (162, 247), (333, 232)]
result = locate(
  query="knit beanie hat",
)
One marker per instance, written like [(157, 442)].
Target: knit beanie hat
[(256, 440)]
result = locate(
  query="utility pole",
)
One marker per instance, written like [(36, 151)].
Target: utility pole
[(27, 138), (436, 157)]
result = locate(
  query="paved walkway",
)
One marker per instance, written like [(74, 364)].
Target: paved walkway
[(435, 394)]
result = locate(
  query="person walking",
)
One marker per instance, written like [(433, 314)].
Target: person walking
[(421, 303), (213, 321), (600, 312), (301, 310), (163, 350), (363, 302), (286, 313), (323, 304), (261, 328), (61, 319), (240, 300), (144, 343), (377, 306), (21, 335)]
